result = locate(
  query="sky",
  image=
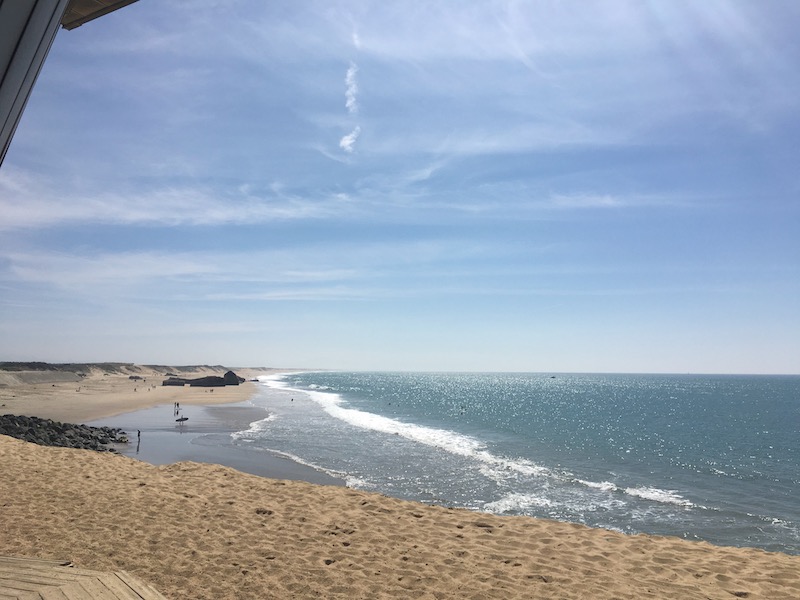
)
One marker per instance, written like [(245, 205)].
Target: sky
[(541, 186)]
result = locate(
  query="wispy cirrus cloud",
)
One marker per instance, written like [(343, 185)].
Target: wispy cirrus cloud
[(503, 138), (311, 272), (586, 201), (351, 93), (383, 271), (27, 202), (348, 142)]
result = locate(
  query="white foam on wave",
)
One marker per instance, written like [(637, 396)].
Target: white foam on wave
[(455, 443), (296, 459), (516, 503), (784, 523), (501, 469), (655, 494), (358, 483), (449, 441), (255, 428), (604, 486)]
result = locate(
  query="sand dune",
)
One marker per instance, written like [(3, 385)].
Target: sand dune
[(204, 531), (65, 396)]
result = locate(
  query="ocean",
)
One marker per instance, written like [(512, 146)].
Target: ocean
[(700, 457)]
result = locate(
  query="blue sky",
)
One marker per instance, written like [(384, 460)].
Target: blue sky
[(499, 185)]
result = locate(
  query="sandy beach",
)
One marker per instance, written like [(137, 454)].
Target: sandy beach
[(68, 397), (201, 531)]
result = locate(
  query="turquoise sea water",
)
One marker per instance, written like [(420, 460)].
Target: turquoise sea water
[(710, 458)]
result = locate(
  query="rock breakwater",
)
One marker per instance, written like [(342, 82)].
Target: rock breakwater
[(46, 432)]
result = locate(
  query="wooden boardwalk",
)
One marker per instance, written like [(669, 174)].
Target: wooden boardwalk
[(33, 579)]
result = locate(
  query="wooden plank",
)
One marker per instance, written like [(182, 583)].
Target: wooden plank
[(38, 583), (57, 580), (95, 582), (143, 589), (18, 594), (34, 561), (27, 596), (120, 589), (23, 586), (74, 572), (39, 577), (95, 590), (7, 571), (53, 594), (75, 591)]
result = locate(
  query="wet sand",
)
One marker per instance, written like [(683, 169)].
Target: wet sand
[(206, 437)]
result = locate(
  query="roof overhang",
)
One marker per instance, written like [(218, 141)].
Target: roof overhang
[(82, 11), (27, 29)]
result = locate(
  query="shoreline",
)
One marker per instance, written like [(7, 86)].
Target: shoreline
[(100, 398), (206, 437)]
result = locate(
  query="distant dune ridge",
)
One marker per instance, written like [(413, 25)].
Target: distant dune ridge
[(43, 372), (203, 531), (21, 373), (79, 392)]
